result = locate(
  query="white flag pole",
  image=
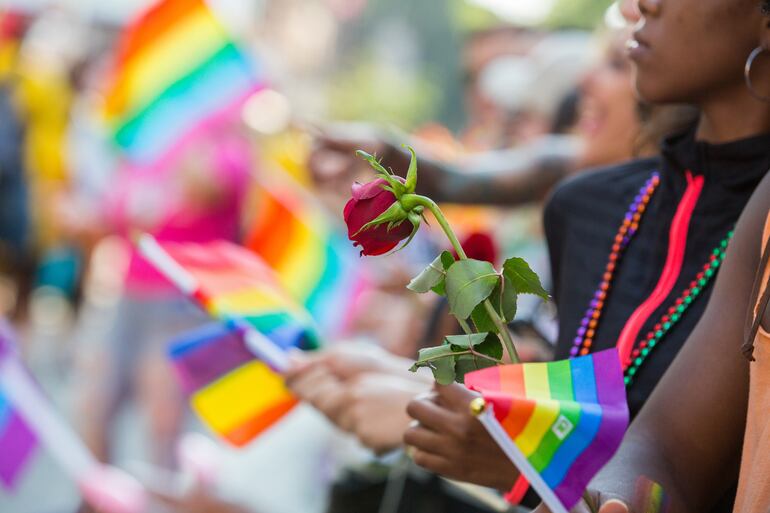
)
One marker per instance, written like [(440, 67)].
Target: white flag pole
[(58, 438), (261, 346), (485, 414)]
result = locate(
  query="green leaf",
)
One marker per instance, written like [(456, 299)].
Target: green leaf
[(468, 283), (492, 347), (440, 360), (444, 371), (507, 299), (523, 278), (481, 318), (469, 363), (447, 259), (466, 341), (428, 278)]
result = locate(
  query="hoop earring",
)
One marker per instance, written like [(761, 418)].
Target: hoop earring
[(747, 74)]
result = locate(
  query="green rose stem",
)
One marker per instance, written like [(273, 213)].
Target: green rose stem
[(409, 201)]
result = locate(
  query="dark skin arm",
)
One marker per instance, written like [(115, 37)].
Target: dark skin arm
[(689, 434), (506, 178)]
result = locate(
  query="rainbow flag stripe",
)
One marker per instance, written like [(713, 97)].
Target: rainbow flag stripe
[(177, 71), (233, 393), (17, 441), (312, 259), (236, 286), (567, 418)]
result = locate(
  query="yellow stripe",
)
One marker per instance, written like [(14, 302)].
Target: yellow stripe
[(177, 53), (253, 301), (239, 396), (304, 263), (546, 409)]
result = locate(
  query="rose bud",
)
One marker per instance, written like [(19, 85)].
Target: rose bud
[(368, 203)]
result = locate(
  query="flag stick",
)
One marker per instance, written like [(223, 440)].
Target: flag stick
[(261, 346), (487, 418), (68, 450)]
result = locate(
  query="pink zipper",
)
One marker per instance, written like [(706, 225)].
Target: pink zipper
[(671, 271)]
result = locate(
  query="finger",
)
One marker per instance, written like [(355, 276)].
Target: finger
[(427, 441), (455, 397), (432, 416), (614, 506), (434, 463)]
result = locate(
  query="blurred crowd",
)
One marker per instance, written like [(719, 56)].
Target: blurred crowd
[(498, 116)]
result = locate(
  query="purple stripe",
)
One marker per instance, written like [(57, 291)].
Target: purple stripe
[(17, 443), (207, 359), (611, 394)]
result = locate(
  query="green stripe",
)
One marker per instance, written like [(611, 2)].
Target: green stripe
[(126, 131), (560, 383)]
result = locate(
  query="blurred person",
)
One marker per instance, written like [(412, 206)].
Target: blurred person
[(197, 199), (690, 200)]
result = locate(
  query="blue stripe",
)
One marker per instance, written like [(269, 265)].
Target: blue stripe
[(6, 411), (197, 339), (171, 119), (584, 387)]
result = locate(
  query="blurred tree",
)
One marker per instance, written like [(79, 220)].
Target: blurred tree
[(584, 14)]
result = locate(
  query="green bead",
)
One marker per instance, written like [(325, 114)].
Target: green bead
[(680, 309), (709, 272), (638, 361), (645, 351), (724, 243), (631, 371), (688, 300), (627, 380), (715, 252), (695, 291), (715, 264), (658, 334), (666, 326), (702, 282), (675, 317)]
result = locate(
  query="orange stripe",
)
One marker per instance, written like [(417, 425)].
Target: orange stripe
[(245, 433), (512, 384), (272, 234), (152, 24)]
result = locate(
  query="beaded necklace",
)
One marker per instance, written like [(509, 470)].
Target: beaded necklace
[(589, 324)]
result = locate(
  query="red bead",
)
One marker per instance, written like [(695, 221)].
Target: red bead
[(604, 286), (607, 277), (616, 247), (657, 327), (651, 335), (679, 301), (635, 353), (602, 295), (613, 257), (611, 267), (643, 344), (664, 319), (686, 293)]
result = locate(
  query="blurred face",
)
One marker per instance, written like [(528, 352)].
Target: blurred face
[(608, 120), (687, 51)]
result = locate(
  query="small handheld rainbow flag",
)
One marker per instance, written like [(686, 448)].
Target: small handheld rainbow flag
[(27, 419), (558, 422), (235, 395), (177, 70), (312, 259), (234, 286)]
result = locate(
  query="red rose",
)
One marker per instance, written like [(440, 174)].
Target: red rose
[(368, 202)]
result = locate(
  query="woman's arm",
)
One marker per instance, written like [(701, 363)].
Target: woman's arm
[(688, 436)]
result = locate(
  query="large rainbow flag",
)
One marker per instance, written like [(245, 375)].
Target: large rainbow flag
[(559, 422), (310, 255), (177, 70), (235, 395)]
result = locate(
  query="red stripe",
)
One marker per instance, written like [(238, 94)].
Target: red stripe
[(676, 252), (517, 493)]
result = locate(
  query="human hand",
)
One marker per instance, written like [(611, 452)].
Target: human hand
[(448, 440), (599, 503), (375, 410), (349, 360), (199, 500)]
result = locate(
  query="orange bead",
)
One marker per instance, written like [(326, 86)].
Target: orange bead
[(584, 351), (593, 323), (590, 334), (611, 267), (634, 226)]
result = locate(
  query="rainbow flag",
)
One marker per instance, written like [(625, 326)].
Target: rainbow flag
[(234, 394), (177, 71), (559, 422), (310, 255), (235, 286), (17, 440)]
